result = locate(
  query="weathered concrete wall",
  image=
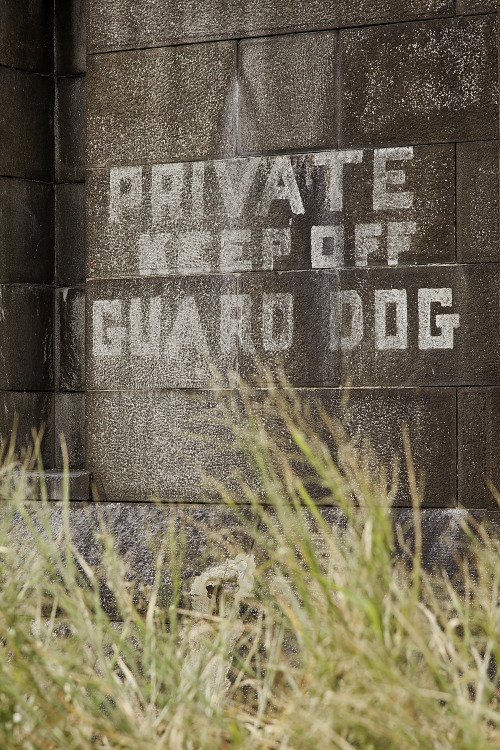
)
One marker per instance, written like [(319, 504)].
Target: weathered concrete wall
[(313, 186)]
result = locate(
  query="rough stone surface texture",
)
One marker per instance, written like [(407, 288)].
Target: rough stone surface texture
[(30, 411), (53, 485), (70, 234), (477, 202), (26, 116), (26, 224), (206, 535), (161, 105), (185, 431), (211, 535), (424, 82), (401, 342), (464, 7), (478, 445), (287, 92), (321, 200), (70, 422), (26, 359), (70, 36), (70, 129), (161, 333), (26, 34), (70, 339), (123, 24), (159, 429)]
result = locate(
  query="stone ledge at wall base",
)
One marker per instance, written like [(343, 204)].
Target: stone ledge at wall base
[(54, 480), (217, 534)]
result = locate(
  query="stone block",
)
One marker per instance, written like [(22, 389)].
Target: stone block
[(432, 81), (140, 219), (70, 129), (27, 125), (70, 33), (161, 333), (444, 539), (478, 446), (26, 336), (161, 105), (70, 234), (477, 202), (377, 416), (32, 411), (70, 338), (285, 325), (435, 325), (466, 7), (26, 39), (400, 326), (70, 422), (125, 24), (132, 436), (26, 232), (162, 444), (287, 94), (373, 419)]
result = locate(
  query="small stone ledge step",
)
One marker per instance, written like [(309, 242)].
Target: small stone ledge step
[(79, 484)]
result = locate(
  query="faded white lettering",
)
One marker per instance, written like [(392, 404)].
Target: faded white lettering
[(191, 251), (399, 239), (167, 181), (277, 338), (107, 339), (235, 189), (145, 343), (446, 322), (125, 190), (399, 339), (384, 178), (351, 299), (187, 331), (335, 161), (275, 244), (197, 185), (281, 185), (236, 323), (232, 245), (366, 242), (153, 252), (327, 246)]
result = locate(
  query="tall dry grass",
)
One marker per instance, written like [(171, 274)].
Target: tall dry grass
[(341, 643)]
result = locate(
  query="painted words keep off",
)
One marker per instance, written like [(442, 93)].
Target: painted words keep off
[(243, 214), (137, 327)]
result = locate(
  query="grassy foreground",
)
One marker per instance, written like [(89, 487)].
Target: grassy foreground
[(333, 641)]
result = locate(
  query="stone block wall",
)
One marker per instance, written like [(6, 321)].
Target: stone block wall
[(42, 65), (69, 176), (313, 186), (27, 221)]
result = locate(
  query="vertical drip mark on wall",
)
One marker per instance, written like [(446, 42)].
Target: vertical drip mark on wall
[(236, 120), (338, 84)]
